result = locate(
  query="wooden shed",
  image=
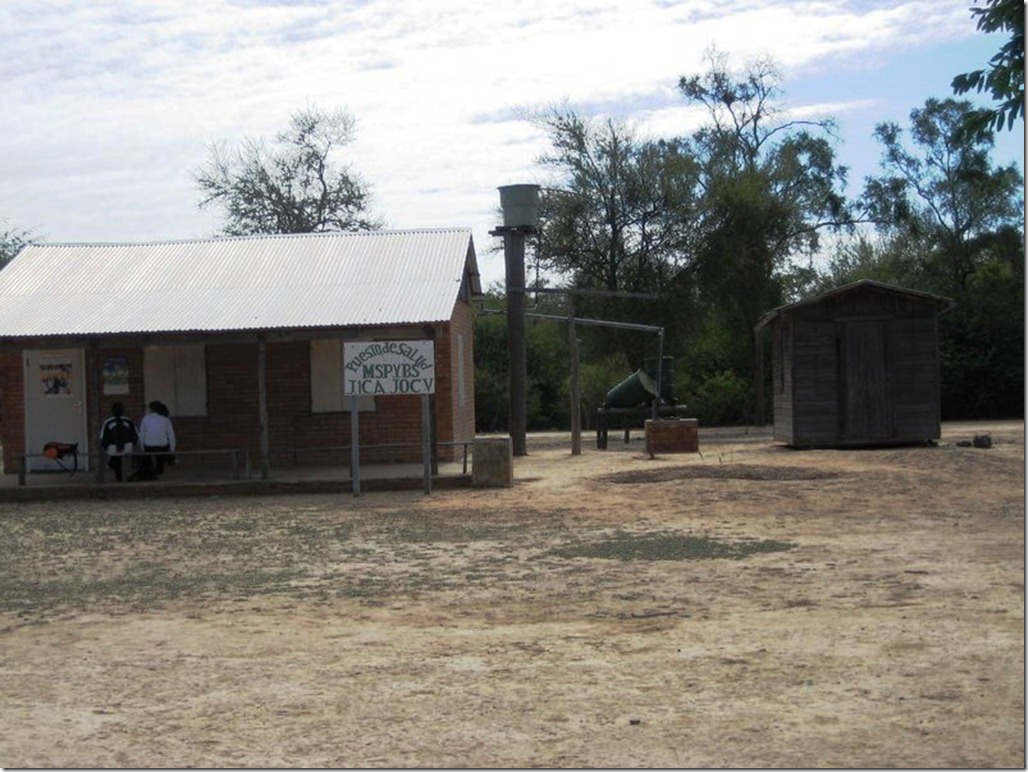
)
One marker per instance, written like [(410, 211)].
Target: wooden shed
[(857, 366)]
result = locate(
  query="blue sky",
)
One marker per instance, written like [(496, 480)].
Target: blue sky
[(110, 106)]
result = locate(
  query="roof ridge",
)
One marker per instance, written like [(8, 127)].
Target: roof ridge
[(254, 237)]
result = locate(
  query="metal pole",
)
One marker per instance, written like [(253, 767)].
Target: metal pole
[(576, 393), (93, 417), (600, 323), (758, 378), (514, 254), (426, 443), (262, 406), (355, 460), (660, 368)]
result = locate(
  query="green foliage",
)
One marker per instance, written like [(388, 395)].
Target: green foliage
[(492, 379), (950, 224), (669, 546), (983, 339), (612, 220), (12, 241), (292, 186), (1004, 77), (598, 377), (548, 401), (723, 225), (712, 222), (941, 194), (718, 399)]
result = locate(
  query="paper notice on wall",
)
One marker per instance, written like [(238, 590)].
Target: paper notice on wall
[(116, 376), (55, 377)]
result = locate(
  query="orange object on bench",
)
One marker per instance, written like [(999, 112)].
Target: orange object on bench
[(61, 450)]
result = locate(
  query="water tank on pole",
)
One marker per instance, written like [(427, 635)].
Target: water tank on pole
[(520, 205)]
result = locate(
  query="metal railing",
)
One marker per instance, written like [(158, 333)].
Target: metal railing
[(239, 459), (295, 453), (234, 454)]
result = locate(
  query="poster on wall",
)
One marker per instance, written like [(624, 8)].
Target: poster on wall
[(116, 376), (55, 377)]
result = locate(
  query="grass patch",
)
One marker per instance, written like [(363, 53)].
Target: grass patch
[(669, 546)]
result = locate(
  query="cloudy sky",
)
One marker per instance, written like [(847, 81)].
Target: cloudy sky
[(110, 107)]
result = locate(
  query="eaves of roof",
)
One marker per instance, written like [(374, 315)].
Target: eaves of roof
[(942, 303)]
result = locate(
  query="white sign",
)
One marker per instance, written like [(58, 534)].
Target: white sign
[(388, 367)]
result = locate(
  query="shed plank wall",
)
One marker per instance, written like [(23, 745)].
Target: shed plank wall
[(781, 378), (915, 371), (810, 394), (815, 382)]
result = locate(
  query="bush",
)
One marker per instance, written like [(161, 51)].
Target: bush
[(596, 379), (720, 399)]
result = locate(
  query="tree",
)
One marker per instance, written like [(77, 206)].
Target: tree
[(950, 223), (292, 186), (12, 241), (769, 187), (1004, 78), (943, 196), (614, 219), (548, 402), (611, 220)]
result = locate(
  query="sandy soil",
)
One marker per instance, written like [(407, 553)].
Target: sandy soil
[(751, 606)]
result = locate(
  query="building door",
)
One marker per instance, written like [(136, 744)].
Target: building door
[(55, 404), (864, 387)]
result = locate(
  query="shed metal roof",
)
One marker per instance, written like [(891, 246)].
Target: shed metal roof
[(277, 282)]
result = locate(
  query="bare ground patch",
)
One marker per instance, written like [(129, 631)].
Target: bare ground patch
[(750, 607)]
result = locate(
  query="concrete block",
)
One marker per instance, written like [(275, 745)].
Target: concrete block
[(492, 463)]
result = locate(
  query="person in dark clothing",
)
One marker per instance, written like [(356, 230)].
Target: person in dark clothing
[(118, 438)]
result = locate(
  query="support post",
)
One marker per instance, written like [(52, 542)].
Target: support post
[(426, 442), (759, 416), (514, 256), (262, 406), (355, 458), (520, 205), (576, 391), (660, 372), (93, 417)]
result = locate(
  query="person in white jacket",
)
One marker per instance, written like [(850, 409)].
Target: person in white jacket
[(156, 434)]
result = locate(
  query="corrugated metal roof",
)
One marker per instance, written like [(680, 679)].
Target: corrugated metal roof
[(245, 283)]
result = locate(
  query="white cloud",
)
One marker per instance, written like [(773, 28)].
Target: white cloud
[(108, 109)]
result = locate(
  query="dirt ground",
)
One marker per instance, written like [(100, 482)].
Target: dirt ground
[(749, 606)]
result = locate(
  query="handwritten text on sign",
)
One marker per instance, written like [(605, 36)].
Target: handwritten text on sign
[(389, 367)]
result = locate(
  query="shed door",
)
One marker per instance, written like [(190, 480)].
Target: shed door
[(866, 408), (55, 404)]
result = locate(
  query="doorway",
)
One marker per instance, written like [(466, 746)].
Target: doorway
[(866, 409), (55, 405)]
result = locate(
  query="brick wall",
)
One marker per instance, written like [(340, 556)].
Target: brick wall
[(233, 421), (12, 402), (672, 435)]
